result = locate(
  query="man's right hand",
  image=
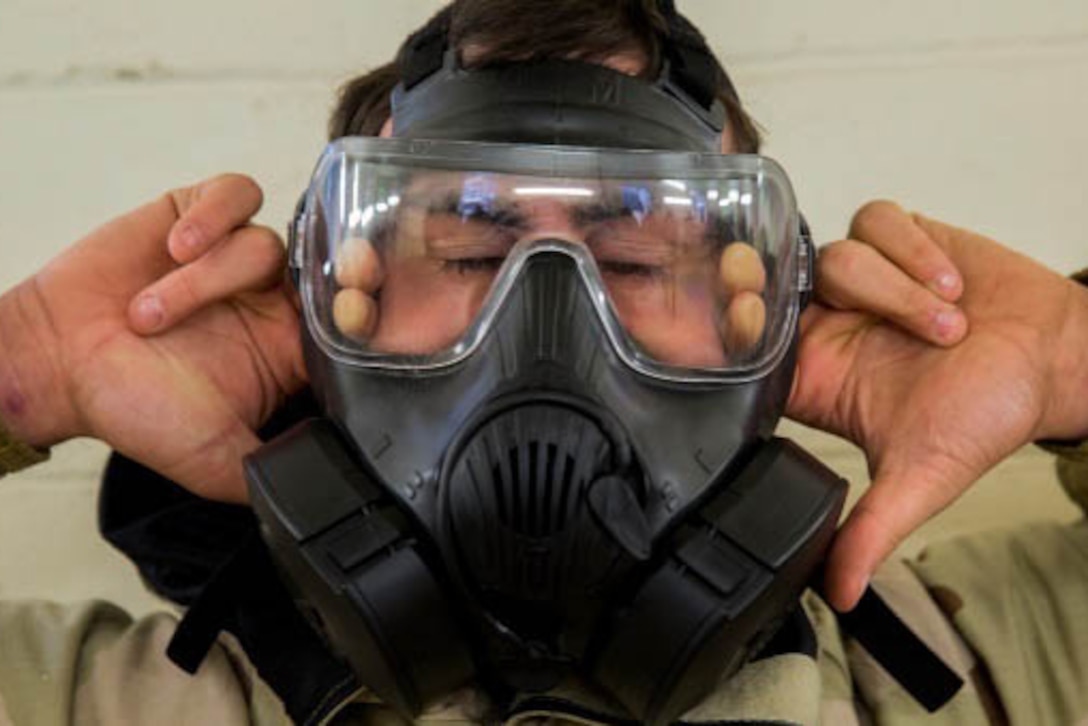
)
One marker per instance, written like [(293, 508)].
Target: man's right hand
[(81, 355)]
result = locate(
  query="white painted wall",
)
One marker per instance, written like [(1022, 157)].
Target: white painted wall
[(971, 111)]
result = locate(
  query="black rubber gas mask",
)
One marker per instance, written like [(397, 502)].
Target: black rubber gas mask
[(551, 371)]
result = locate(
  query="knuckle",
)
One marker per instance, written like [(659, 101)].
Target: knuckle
[(842, 260), (242, 184), (872, 217), (273, 256), (183, 292), (938, 235), (265, 247), (269, 238), (916, 303), (913, 254), (180, 198)]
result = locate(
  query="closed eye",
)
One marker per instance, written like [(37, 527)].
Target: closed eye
[(631, 269), (472, 265)]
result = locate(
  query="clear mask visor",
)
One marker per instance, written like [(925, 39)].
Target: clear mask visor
[(407, 249)]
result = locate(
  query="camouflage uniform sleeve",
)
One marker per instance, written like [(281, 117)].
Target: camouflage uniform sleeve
[(1020, 600), (1072, 466), (1073, 455), (91, 663)]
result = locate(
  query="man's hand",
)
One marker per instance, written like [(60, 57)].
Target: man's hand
[(169, 333), (930, 419)]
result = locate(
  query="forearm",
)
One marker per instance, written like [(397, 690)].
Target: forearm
[(35, 404)]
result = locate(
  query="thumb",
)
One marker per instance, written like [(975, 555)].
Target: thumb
[(897, 503)]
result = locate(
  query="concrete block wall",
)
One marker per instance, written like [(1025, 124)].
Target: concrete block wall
[(971, 111)]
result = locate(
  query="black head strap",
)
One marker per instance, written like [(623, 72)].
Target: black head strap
[(563, 102), (424, 52), (690, 64)]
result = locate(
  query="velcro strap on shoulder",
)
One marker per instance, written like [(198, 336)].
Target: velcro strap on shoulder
[(245, 598), (213, 609), (926, 677)]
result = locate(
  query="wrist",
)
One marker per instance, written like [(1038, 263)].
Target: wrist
[(35, 407), (1068, 419)]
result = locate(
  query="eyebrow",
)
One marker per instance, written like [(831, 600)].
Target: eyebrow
[(588, 214), (494, 211), (719, 232), (508, 214)]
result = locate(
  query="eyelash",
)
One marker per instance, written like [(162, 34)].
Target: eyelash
[(472, 265), (631, 269), (476, 265)]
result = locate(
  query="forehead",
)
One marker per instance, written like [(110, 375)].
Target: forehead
[(611, 218), (527, 192), (524, 202)]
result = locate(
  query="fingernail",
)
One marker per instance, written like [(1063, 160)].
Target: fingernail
[(948, 323), (863, 585), (848, 598), (189, 237), (151, 311), (947, 282)]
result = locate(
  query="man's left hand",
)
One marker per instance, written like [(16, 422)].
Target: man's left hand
[(932, 419)]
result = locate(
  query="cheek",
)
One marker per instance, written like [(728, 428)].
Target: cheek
[(423, 310), (673, 323)]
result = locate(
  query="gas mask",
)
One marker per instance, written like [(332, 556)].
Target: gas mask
[(552, 332)]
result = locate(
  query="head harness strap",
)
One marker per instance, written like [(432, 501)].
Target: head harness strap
[(424, 51), (690, 63)]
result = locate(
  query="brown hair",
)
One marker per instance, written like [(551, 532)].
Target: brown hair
[(523, 30)]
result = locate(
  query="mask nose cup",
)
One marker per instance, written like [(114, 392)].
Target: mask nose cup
[(528, 546)]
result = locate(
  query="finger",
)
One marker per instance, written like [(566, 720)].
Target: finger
[(869, 535), (741, 269), (251, 259), (355, 314), (745, 319), (897, 503), (892, 231), (135, 243), (209, 211), (855, 276), (358, 266)]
